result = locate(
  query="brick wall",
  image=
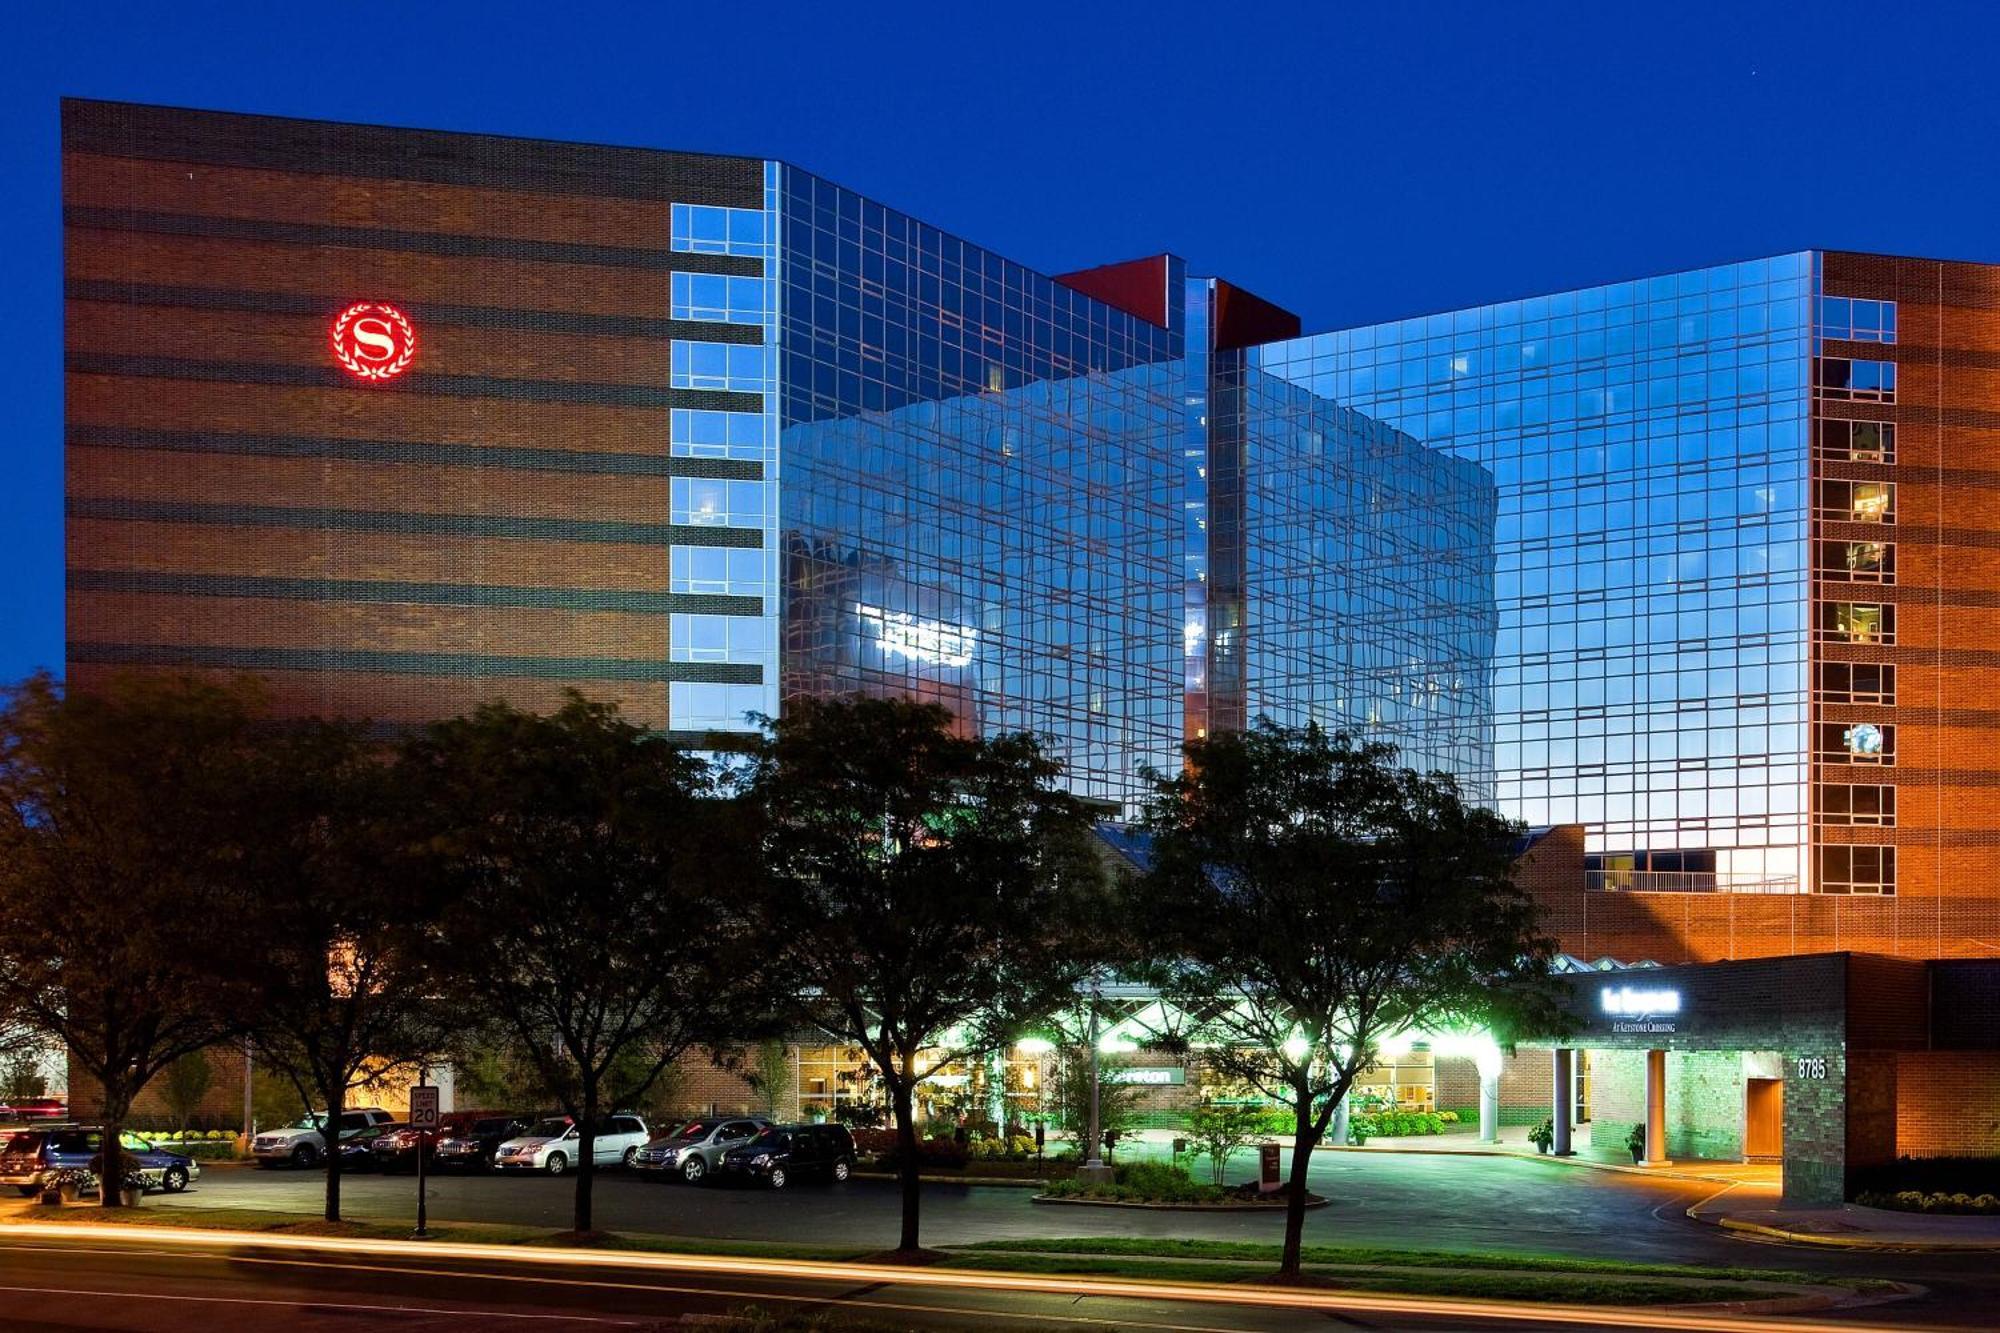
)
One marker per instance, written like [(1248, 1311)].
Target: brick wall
[(1947, 1104)]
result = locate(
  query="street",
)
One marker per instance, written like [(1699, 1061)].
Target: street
[(1409, 1201)]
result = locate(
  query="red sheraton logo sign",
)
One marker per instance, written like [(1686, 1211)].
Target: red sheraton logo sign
[(374, 341)]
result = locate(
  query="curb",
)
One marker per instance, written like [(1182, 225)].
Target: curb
[(1654, 1173), (1312, 1201), (1005, 1182), (1858, 1242)]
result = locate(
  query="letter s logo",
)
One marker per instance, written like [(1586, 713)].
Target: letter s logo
[(374, 341)]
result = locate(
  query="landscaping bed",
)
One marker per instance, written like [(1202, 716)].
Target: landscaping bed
[(1159, 1185)]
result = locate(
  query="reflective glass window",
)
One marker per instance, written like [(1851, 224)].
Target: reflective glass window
[(704, 229)]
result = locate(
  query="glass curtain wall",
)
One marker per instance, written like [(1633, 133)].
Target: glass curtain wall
[(1647, 441)]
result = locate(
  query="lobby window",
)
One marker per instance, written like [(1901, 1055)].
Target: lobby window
[(1857, 683), (1861, 381), (706, 230), (1858, 622), (1857, 320), (718, 298), (1857, 870), (1863, 562), (737, 367), (1841, 803), (1856, 743), (701, 706), (1858, 501), (1857, 441)]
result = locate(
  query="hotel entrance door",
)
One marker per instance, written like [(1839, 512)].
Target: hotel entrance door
[(1763, 1119)]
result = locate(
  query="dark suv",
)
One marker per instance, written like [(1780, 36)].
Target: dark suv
[(783, 1151), (28, 1155)]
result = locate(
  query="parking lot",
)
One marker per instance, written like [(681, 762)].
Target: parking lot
[(1411, 1200)]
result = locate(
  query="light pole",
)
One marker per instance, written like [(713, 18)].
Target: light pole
[(1093, 1168)]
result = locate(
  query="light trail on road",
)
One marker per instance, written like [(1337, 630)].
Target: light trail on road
[(1319, 1300)]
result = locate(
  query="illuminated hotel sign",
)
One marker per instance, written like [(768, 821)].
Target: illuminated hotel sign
[(1640, 1010), (904, 635), (373, 341)]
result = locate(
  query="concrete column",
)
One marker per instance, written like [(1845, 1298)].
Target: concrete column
[(1336, 1131), (1489, 1107), (1563, 1100), (1656, 1108)]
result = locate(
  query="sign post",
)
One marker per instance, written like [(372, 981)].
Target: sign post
[(1267, 1168), (423, 1119)]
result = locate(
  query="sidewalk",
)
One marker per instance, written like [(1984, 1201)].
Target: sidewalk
[(1754, 1210)]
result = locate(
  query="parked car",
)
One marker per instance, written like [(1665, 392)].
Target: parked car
[(301, 1144), (35, 1108), (26, 1155), (553, 1144), (357, 1150), (782, 1152), (695, 1148), (463, 1140)]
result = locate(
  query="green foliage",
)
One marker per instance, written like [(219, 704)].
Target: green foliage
[(1319, 899), (1217, 1130), (930, 893), (771, 1076), (188, 1080), (1543, 1136), (1141, 1182), (21, 1077), (1068, 1101), (1392, 1123), (1917, 1201)]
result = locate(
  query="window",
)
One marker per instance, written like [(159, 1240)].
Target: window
[(1856, 743), (1844, 804), (706, 230), (740, 367), (1863, 562), (698, 638), (1857, 501), (1857, 683), (730, 570), (718, 297), (1857, 320), (1858, 622), (714, 502), (703, 434), (1857, 870), (700, 706), (1861, 381), (1858, 441)]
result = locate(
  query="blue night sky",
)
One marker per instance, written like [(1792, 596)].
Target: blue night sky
[(1352, 162)]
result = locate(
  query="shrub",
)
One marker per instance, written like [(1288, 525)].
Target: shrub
[(1021, 1145), (1142, 1182), (1448, 1117), (1917, 1201)]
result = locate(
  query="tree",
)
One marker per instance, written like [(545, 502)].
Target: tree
[(930, 892), (331, 922), (770, 1074), (117, 816), (1219, 1128), (188, 1081), (601, 886), (1323, 899)]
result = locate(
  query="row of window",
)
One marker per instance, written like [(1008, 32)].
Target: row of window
[(1872, 804), (1857, 441), (736, 367), (717, 503), (1859, 562), (1855, 742), (704, 229), (1857, 501), (698, 433), (1857, 682)]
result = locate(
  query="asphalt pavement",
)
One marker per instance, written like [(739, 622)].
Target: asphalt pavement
[(1416, 1201)]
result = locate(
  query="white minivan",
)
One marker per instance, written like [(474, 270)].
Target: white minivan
[(553, 1145)]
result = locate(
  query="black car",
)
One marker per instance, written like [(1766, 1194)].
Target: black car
[(782, 1152), (463, 1141), (357, 1152)]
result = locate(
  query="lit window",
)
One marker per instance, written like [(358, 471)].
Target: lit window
[(718, 503), (707, 230), (1859, 622), (1858, 501), (1863, 562), (1857, 320), (1857, 870), (1870, 381), (1841, 803)]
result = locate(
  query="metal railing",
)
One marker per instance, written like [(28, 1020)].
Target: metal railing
[(1685, 881)]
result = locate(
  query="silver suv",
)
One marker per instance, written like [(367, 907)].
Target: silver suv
[(302, 1145), (693, 1150)]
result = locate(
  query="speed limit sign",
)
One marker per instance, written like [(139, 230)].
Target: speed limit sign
[(423, 1107)]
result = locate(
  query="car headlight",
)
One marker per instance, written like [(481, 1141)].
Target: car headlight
[(761, 1159)]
